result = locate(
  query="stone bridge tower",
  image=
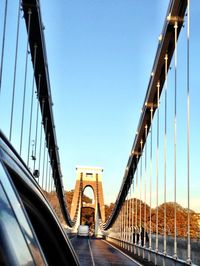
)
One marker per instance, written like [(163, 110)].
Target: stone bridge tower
[(92, 177)]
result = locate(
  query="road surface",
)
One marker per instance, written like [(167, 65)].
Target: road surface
[(98, 252)]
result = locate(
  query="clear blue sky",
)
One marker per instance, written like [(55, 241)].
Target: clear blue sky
[(100, 56)]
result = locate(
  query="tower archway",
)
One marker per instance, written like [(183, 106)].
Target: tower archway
[(88, 207), (89, 177)]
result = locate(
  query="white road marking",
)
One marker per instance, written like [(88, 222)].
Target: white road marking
[(72, 237), (91, 253), (123, 253)]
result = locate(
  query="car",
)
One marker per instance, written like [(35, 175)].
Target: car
[(83, 230), (30, 232)]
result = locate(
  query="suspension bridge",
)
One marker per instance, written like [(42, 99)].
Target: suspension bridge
[(160, 157)]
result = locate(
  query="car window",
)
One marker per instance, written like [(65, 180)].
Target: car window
[(17, 240), (55, 245), (43, 234), (13, 245)]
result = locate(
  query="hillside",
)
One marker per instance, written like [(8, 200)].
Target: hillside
[(181, 215)]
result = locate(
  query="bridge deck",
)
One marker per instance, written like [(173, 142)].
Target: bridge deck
[(99, 252)]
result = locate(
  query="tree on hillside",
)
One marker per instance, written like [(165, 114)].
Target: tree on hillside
[(108, 210), (132, 205)]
